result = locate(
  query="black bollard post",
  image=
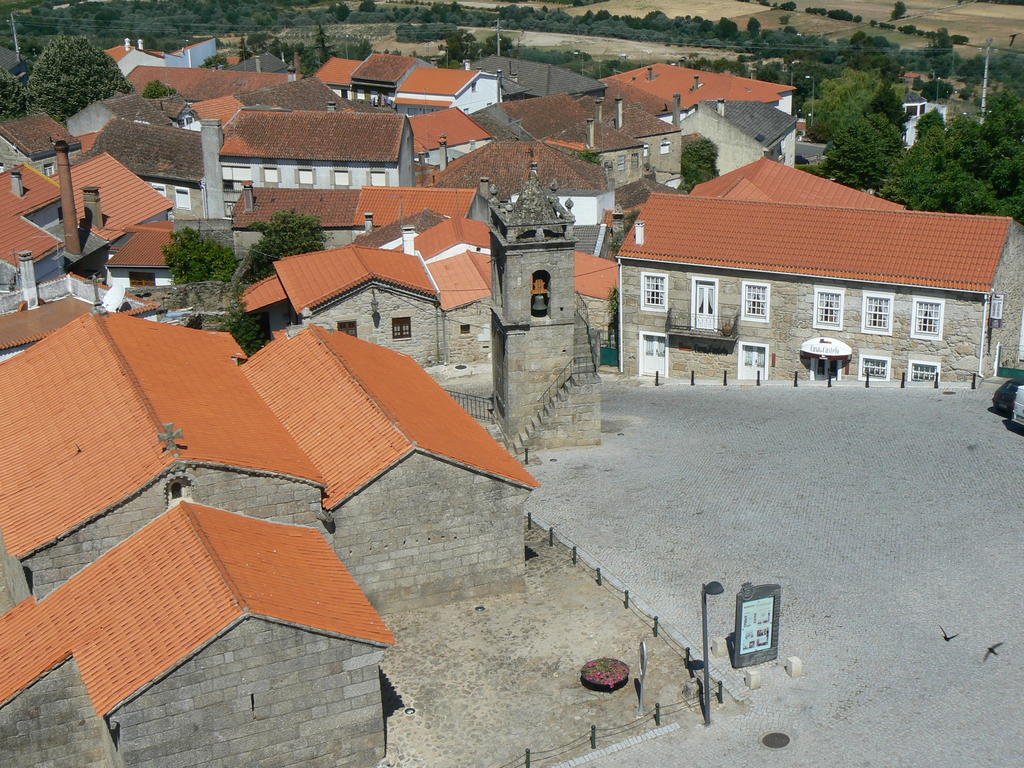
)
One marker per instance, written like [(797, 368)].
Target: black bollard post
[(598, 576), (551, 536), (657, 374), (593, 737), (625, 599), (527, 758), (725, 378), (936, 384), (529, 521), (794, 378), (657, 713), (574, 554), (974, 382), (903, 380), (830, 379), (718, 693), (867, 378), (759, 378), (527, 456), (655, 626), (693, 378)]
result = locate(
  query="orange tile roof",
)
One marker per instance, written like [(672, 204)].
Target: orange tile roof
[(437, 82), (100, 442), (372, 406), (126, 199), (222, 108), (941, 250), (34, 134), (31, 644), (337, 71), (454, 124), (144, 248), (118, 52), (334, 207), (88, 140), (155, 599), (264, 293), (311, 279), (451, 232), (392, 203), (771, 181), (595, 276), (462, 279), (669, 80), (415, 102), (201, 84), (31, 325), (17, 233), (384, 67)]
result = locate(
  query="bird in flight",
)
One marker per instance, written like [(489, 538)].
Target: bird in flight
[(1013, 37), (946, 637), (991, 651)]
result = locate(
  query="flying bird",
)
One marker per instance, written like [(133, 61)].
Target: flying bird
[(946, 637), (991, 651), (1013, 37)]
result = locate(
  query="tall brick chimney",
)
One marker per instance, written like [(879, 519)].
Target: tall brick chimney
[(72, 246)]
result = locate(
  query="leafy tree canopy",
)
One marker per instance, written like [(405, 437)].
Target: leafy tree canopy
[(193, 258), (70, 74), (286, 234), (217, 61), (13, 99), (843, 100), (863, 152), (156, 90), (698, 163), (244, 327)]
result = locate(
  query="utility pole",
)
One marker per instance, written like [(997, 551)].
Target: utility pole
[(14, 33), (984, 79), (497, 39)]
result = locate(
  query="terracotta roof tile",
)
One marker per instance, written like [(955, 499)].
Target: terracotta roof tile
[(222, 108), (151, 150), (462, 279), (334, 207), (264, 293), (35, 134), (507, 165), (155, 599), (547, 115), (125, 199), (143, 249), (669, 80), (200, 84), (337, 71), (454, 124), (100, 443), (390, 203), (437, 82), (939, 250), (335, 136), (118, 52), (28, 326), (88, 140), (631, 96), (771, 181), (379, 237), (451, 232), (311, 279), (595, 276), (384, 67), (309, 93), (132, 106), (376, 405), (17, 233)]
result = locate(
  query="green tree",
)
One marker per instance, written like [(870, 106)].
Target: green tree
[(928, 121), (753, 27), (70, 74), (323, 47), (286, 234), (889, 104), (863, 152), (460, 45), (217, 61), (244, 327), (156, 90), (193, 258), (13, 99), (843, 100), (698, 163), (899, 10)]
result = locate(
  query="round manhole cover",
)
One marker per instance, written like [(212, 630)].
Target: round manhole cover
[(461, 367), (410, 710), (775, 740)]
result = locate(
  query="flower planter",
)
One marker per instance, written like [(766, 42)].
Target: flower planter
[(604, 674)]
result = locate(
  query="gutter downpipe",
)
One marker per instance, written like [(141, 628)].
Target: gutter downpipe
[(440, 311), (981, 340), (619, 340)]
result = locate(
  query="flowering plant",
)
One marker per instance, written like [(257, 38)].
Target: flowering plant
[(606, 673)]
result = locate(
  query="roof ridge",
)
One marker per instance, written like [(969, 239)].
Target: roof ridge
[(320, 333), (200, 534)]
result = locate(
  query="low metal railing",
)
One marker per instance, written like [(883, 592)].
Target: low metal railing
[(480, 407), (705, 326)]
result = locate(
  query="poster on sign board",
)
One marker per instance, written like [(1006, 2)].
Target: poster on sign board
[(756, 635)]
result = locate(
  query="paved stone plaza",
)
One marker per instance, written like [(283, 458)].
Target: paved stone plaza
[(882, 513)]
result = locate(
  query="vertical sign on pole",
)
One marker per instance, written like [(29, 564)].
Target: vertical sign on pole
[(643, 673), (996, 311), (756, 634)]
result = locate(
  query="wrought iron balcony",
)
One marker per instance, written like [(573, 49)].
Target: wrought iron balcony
[(679, 323)]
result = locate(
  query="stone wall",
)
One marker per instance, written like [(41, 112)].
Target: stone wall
[(262, 694), (1010, 282), (13, 587), (52, 724), (208, 296), (428, 532), (475, 345), (572, 419), (263, 496), (424, 346), (791, 322), (735, 148)]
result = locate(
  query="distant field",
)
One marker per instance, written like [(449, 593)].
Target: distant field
[(708, 9)]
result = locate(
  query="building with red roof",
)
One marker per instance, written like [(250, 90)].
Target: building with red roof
[(336, 74), (443, 131), (129, 56), (379, 76), (29, 140), (201, 84), (428, 89), (769, 289)]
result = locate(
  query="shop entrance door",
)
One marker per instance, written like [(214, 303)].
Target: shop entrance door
[(821, 369), (753, 358)]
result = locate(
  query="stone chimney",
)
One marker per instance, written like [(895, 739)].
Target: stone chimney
[(498, 78), (297, 63), (676, 104), (720, 107), (368, 221), (638, 232), (248, 198), (618, 112), (408, 239), (465, 64), (599, 108), (650, 73), (443, 159), (127, 44), (485, 187), (696, 83), (17, 183), (291, 73), (618, 220), (27, 271), (332, 106), (93, 208), (258, 62), (67, 199), (590, 133), (138, 43), (213, 177)]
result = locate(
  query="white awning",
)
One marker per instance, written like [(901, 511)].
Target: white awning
[(825, 348)]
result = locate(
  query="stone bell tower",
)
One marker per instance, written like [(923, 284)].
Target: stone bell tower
[(543, 363)]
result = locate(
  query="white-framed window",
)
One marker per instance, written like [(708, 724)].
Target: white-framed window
[(621, 163), (922, 371), (237, 173), (305, 176), (666, 146), (182, 198), (876, 313), (927, 319), (828, 308), (756, 300), (342, 179), (161, 188), (653, 291), (878, 366), (271, 175), (49, 169), (647, 150), (378, 178)]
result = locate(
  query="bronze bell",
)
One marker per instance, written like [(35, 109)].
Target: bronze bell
[(540, 304)]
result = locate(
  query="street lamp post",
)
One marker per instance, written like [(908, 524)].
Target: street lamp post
[(810, 117), (711, 588)]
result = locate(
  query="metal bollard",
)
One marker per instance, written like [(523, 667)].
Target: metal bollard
[(593, 737), (687, 657), (759, 378), (655, 626), (830, 379), (551, 536), (574, 554), (529, 521), (794, 377), (936, 384), (974, 377), (656, 375), (598, 576), (718, 694), (527, 758), (527, 461), (693, 378), (903, 380), (657, 713), (867, 378), (725, 378), (625, 599)]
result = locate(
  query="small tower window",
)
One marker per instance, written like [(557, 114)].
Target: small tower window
[(540, 298), (179, 489)]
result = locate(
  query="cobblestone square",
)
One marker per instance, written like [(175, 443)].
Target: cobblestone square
[(882, 513)]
